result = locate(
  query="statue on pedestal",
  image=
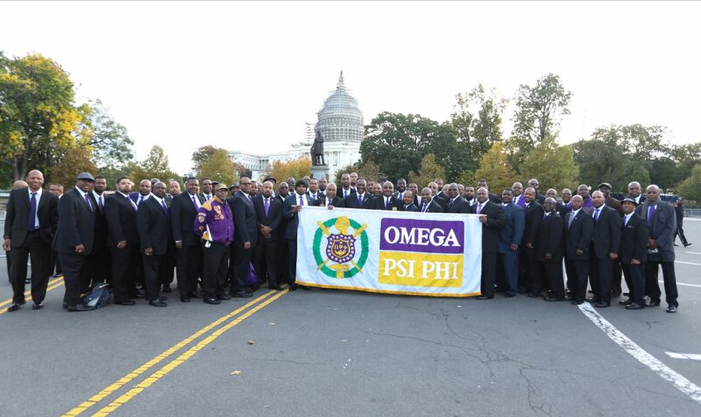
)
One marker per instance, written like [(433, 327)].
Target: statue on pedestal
[(317, 150)]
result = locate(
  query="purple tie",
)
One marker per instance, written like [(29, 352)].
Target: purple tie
[(650, 215), (267, 205), (301, 201), (32, 212), (100, 205), (423, 210), (165, 208), (479, 208), (194, 202), (133, 204), (87, 201), (360, 200), (569, 224)]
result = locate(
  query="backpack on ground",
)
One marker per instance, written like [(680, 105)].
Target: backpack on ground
[(98, 296)]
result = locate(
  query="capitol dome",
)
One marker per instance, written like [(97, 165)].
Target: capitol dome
[(340, 120)]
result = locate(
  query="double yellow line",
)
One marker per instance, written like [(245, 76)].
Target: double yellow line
[(53, 284), (262, 301)]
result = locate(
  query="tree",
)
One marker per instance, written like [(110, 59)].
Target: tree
[(154, 166), (539, 109), (369, 170), (76, 160), (551, 164), (298, 168), (219, 167), (690, 188), (202, 155), (495, 168), (429, 171), (111, 144), (686, 157), (39, 122)]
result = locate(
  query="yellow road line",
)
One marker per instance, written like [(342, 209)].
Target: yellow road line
[(165, 370), (28, 293), (153, 362), (3, 311)]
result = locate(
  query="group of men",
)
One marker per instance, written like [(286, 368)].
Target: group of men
[(226, 242)]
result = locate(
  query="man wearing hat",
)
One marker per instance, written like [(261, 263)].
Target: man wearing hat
[(75, 237), (605, 188), (634, 254)]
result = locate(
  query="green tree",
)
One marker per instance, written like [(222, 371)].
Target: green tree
[(154, 166), (111, 144), (686, 157), (430, 170), (690, 188), (202, 155), (539, 109), (369, 170), (495, 168), (39, 121), (76, 160), (219, 167), (551, 164)]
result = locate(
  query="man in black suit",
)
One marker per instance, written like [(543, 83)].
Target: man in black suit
[(468, 195), (245, 238), (207, 193), (361, 199), (579, 230), (533, 183), (428, 205), (75, 237), (331, 199), (143, 194), (293, 204), (30, 226), (283, 269), (549, 251), (8, 258), (492, 219), (605, 246), (401, 188), (492, 197), (530, 279), (346, 189), (457, 204), (314, 193), (408, 202), (123, 242), (636, 192), (188, 249), (99, 260), (634, 254), (386, 201), (155, 235), (269, 215)]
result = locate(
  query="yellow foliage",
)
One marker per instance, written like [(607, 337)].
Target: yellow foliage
[(297, 168), (495, 168)]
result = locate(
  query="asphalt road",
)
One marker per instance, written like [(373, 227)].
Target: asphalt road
[(337, 353)]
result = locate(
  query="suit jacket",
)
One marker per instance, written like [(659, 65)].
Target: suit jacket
[(292, 220), (496, 220), (549, 238), (76, 224), (182, 219), (17, 216), (272, 220), (154, 227), (634, 240), (616, 205), (607, 232), (512, 233), (135, 197), (336, 202), (339, 193), (245, 220), (121, 221), (410, 207), (380, 203), (459, 205), (319, 194), (352, 201), (563, 209), (534, 215), (664, 224), (433, 207), (578, 235), (494, 198), (100, 223)]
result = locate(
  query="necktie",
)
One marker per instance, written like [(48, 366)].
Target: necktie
[(423, 209), (596, 215), (141, 199), (625, 223), (100, 204), (301, 201), (386, 202), (451, 202), (267, 205), (360, 200), (401, 196), (87, 201), (165, 208), (479, 208), (545, 216), (569, 224), (650, 215), (32, 212), (194, 201), (132, 203)]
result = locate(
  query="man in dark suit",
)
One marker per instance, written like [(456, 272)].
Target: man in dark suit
[(510, 237), (493, 220), (386, 201), (605, 246), (99, 260), (75, 237), (30, 226), (579, 231), (207, 192), (295, 202), (549, 251), (636, 193), (269, 215), (331, 199), (679, 210), (345, 191), (143, 194), (634, 254), (408, 202), (361, 198), (492, 197), (455, 203), (427, 204), (282, 249), (662, 223), (188, 249), (8, 258), (314, 193), (123, 242), (245, 238), (529, 275), (533, 183), (468, 195), (156, 239)]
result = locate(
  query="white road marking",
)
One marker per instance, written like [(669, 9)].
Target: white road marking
[(665, 372), (688, 263), (694, 253), (685, 285), (691, 356)]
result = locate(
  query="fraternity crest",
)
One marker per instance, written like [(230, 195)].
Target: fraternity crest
[(346, 247)]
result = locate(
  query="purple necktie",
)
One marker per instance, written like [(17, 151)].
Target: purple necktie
[(87, 201), (650, 215), (423, 210), (33, 212), (133, 204), (165, 208), (100, 205), (301, 201), (569, 224), (360, 200), (194, 202), (267, 205), (479, 208), (596, 215)]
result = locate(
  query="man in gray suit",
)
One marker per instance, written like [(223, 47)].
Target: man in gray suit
[(662, 223)]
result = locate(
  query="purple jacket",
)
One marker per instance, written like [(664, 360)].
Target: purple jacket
[(218, 217)]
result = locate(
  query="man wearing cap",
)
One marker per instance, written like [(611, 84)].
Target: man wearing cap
[(245, 238), (30, 226), (293, 204), (215, 223), (605, 188), (634, 254), (188, 250), (75, 237)]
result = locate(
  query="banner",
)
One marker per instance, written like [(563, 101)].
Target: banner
[(434, 254)]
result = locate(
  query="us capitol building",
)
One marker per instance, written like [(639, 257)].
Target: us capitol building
[(341, 125)]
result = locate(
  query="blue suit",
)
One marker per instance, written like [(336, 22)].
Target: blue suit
[(512, 233)]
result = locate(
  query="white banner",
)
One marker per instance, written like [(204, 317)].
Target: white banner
[(435, 254)]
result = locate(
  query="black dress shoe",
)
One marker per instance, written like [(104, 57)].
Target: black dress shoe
[(634, 306), (125, 302), (275, 287), (551, 298), (594, 300), (687, 245), (38, 306), (13, 307), (139, 295), (242, 294), (79, 307), (167, 289), (569, 297), (158, 303), (672, 309), (163, 298), (615, 294), (293, 286), (212, 300), (185, 299), (522, 290), (602, 304), (224, 297), (485, 297), (626, 302), (652, 303), (509, 295), (626, 294), (577, 302), (533, 295)]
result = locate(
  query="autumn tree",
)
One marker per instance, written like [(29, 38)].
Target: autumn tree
[(429, 171), (369, 170), (76, 160), (539, 109), (154, 166), (495, 168), (551, 164), (220, 167), (297, 167), (202, 155)]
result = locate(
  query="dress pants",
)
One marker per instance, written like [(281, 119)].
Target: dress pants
[(154, 271), (215, 260), (635, 279), (264, 260), (282, 261), (489, 270), (535, 273), (74, 269), (682, 238), (241, 266), (553, 271), (652, 287), (292, 259), (617, 277), (577, 274), (189, 263), (171, 265), (124, 264), (40, 252), (99, 269), (600, 274), (508, 263)]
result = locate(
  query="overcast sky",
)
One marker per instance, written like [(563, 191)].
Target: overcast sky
[(248, 76)]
